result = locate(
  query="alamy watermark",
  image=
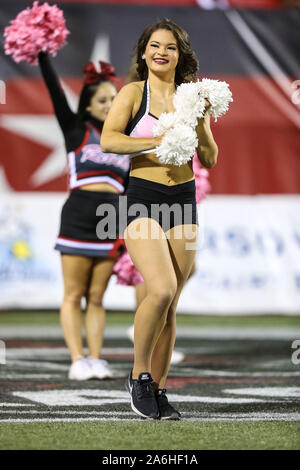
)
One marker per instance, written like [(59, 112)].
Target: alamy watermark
[(175, 216), (2, 352), (296, 353), (296, 94), (2, 92)]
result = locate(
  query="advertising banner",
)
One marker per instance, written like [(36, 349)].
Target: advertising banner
[(248, 258)]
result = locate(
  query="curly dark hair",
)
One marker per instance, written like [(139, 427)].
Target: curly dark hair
[(86, 95), (187, 66)]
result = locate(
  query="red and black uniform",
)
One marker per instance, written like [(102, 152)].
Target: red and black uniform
[(87, 165)]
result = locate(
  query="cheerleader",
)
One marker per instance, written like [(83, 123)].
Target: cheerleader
[(95, 178), (128, 275), (165, 60)]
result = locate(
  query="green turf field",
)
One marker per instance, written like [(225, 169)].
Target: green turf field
[(150, 436), (124, 318), (237, 387)]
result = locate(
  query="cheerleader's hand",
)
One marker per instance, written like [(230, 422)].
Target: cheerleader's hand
[(158, 140), (207, 105), (205, 112)]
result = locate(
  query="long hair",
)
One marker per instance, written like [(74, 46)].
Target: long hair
[(132, 74), (187, 67), (87, 93)]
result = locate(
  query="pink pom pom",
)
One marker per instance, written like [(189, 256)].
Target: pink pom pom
[(36, 29), (203, 186), (126, 272)]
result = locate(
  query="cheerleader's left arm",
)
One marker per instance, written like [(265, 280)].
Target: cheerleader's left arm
[(207, 148)]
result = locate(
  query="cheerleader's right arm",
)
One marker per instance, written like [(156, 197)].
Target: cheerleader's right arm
[(113, 138), (65, 116)]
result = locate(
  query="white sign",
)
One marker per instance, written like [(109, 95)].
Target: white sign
[(30, 275), (248, 259)]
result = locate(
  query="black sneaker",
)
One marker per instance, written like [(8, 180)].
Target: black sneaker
[(166, 411), (143, 401)]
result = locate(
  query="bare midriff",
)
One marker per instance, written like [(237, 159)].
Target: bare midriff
[(149, 168), (104, 187)]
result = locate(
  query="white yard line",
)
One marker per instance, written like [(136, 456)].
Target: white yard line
[(14, 376), (59, 353), (96, 397), (225, 373), (71, 412), (55, 332), (64, 420), (272, 392), (241, 417), (16, 404)]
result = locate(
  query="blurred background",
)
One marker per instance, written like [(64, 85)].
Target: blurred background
[(248, 260)]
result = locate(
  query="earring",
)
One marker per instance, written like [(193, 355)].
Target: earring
[(143, 56)]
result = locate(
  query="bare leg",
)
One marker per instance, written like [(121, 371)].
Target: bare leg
[(140, 293), (182, 262), (76, 273), (192, 271), (95, 313), (152, 258)]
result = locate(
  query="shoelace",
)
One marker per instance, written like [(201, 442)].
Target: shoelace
[(144, 390)]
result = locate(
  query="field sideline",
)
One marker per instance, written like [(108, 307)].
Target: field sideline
[(237, 387)]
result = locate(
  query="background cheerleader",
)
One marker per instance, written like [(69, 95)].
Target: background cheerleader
[(87, 257), (94, 178)]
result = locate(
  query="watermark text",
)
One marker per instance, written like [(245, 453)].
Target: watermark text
[(296, 353), (2, 92), (148, 222), (296, 94), (2, 352)]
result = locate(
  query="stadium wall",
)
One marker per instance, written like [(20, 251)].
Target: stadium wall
[(247, 261)]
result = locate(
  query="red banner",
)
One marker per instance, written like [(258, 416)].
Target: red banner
[(257, 53)]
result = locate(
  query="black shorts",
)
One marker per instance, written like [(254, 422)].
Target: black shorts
[(81, 231), (168, 205)]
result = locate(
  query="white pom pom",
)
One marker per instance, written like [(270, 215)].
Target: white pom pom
[(188, 103), (178, 129), (178, 145), (165, 122), (218, 94)]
